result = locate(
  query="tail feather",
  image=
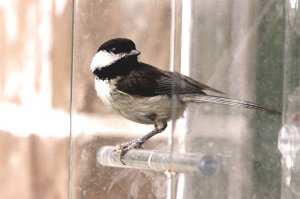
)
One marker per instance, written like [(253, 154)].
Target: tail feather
[(227, 101)]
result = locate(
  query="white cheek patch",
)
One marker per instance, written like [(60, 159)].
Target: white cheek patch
[(103, 58)]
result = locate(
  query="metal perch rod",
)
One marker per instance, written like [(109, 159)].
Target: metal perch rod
[(159, 161)]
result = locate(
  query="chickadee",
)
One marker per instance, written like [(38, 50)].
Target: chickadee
[(145, 94)]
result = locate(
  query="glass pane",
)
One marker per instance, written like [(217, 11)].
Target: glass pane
[(147, 23), (235, 47), (288, 140), (246, 49)]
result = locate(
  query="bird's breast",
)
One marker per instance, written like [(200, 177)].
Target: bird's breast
[(103, 89)]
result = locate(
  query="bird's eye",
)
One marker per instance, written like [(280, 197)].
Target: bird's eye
[(114, 50)]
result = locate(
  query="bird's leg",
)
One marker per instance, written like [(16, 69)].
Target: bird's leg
[(138, 142)]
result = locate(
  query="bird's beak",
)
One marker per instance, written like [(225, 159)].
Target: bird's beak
[(134, 53)]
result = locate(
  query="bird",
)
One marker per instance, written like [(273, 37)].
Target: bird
[(146, 94)]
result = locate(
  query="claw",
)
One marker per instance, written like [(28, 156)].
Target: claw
[(122, 149)]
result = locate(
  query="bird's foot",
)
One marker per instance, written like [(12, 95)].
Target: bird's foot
[(123, 148)]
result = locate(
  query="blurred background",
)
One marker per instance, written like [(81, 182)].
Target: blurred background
[(35, 62), (52, 124)]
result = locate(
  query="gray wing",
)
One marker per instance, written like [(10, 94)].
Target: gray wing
[(147, 80), (182, 84)]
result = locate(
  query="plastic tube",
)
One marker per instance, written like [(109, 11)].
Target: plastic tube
[(159, 161)]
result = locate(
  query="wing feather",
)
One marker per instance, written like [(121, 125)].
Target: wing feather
[(146, 80)]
